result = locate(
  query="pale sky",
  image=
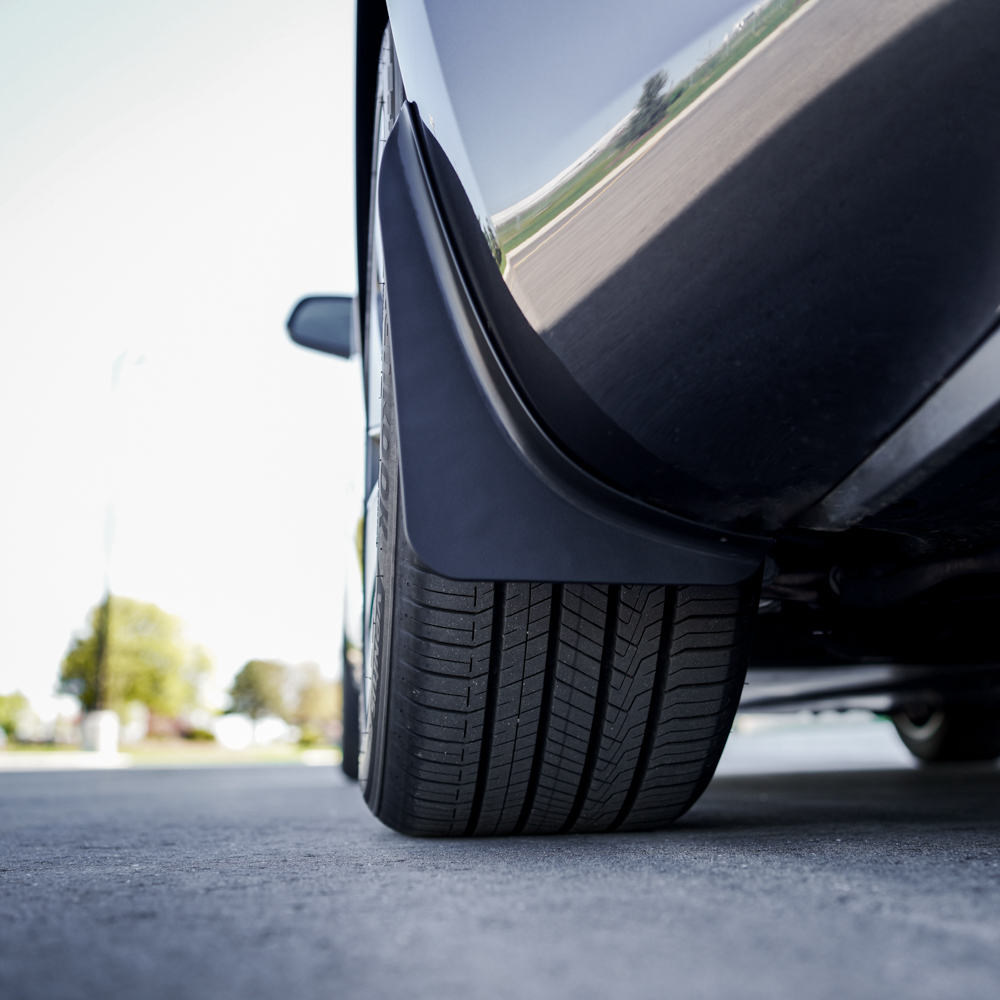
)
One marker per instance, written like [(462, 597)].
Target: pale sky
[(173, 176), (534, 87)]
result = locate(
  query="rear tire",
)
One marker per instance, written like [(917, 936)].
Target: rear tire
[(506, 708), (955, 733)]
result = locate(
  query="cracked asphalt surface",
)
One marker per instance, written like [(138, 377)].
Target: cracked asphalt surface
[(275, 882)]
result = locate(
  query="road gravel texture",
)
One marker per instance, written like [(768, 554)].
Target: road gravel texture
[(275, 882)]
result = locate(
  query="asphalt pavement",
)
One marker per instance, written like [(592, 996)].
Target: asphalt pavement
[(875, 880)]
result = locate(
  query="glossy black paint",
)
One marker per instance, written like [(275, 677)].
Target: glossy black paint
[(784, 324), (556, 399), (485, 494), (746, 356)]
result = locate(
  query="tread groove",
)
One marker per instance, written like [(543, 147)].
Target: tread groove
[(548, 691), (600, 708), (492, 700), (655, 708)]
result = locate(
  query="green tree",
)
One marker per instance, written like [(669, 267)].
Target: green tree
[(259, 689), (316, 705), (649, 109), (494, 243), (12, 707), (146, 658)]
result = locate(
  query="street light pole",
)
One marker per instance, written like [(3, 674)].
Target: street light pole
[(101, 725)]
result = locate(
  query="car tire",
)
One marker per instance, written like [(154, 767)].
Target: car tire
[(350, 715), (506, 708), (954, 733)]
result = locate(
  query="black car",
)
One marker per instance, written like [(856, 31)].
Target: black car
[(679, 325)]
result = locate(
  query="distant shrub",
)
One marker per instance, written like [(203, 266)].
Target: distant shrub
[(310, 735), (12, 707), (199, 735)]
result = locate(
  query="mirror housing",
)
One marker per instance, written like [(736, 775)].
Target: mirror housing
[(324, 323)]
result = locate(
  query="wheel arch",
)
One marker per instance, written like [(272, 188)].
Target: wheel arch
[(372, 16), (486, 493)]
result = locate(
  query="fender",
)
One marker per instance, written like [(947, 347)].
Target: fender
[(485, 493)]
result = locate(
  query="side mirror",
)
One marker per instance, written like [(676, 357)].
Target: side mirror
[(324, 323)]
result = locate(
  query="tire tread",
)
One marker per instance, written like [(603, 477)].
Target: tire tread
[(542, 708)]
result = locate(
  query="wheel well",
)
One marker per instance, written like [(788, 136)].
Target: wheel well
[(371, 20)]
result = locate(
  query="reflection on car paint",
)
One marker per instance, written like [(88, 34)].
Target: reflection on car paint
[(662, 100), (561, 242)]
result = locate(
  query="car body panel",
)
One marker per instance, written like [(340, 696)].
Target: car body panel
[(759, 289), (485, 494)]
